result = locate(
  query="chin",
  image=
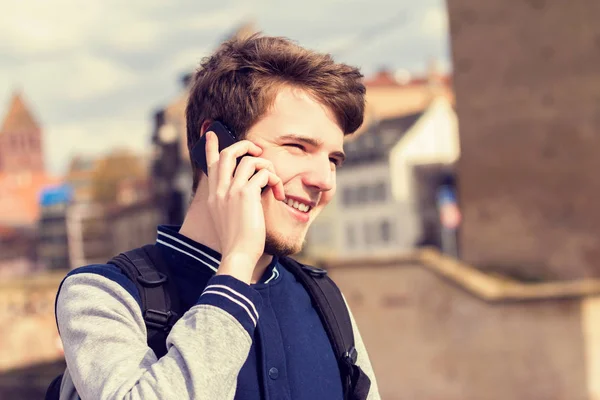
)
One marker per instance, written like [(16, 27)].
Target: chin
[(277, 245)]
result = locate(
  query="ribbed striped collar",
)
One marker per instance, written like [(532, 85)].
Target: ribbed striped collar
[(205, 257)]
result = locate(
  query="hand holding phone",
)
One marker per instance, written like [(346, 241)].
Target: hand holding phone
[(236, 178), (226, 139)]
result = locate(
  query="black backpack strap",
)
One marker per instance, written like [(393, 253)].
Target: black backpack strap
[(53, 391), (331, 307), (161, 308)]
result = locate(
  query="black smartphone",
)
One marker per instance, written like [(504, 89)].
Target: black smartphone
[(226, 139)]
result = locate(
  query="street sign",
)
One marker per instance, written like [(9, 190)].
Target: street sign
[(55, 195)]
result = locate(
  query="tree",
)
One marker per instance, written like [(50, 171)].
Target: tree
[(113, 170)]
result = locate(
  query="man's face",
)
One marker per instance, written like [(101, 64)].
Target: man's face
[(302, 139)]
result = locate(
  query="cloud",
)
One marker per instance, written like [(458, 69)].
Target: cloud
[(129, 34), (61, 84), (219, 20), (91, 137), (38, 27), (435, 22), (187, 59), (90, 76)]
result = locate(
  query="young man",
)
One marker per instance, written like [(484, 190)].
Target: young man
[(250, 330)]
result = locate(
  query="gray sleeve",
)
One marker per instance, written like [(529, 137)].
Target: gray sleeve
[(363, 360), (104, 338)]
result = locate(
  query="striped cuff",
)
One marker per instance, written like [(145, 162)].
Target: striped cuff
[(235, 297)]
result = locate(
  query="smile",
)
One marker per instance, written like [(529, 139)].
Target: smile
[(305, 208)]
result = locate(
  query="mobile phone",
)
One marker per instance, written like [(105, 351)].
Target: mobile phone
[(226, 139)]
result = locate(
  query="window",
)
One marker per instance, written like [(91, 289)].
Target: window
[(379, 192), (385, 231), (368, 232), (362, 195), (351, 239)]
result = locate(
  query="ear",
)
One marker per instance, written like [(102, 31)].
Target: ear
[(205, 126)]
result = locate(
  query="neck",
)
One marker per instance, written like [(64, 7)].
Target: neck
[(198, 215)]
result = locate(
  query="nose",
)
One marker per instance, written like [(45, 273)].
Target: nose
[(320, 175)]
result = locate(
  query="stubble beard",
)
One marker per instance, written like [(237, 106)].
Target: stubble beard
[(280, 246)]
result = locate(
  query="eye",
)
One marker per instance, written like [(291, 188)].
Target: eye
[(336, 162), (296, 145)]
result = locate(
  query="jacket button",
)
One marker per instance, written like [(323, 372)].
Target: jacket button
[(273, 373)]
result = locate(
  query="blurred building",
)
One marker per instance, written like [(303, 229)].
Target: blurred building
[(527, 86), (53, 240), (422, 163), (88, 233), (79, 176), (22, 178), (22, 174), (20, 140), (98, 232), (18, 251), (379, 207), (392, 94), (166, 166), (124, 218), (134, 218)]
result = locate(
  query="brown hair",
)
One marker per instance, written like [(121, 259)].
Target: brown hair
[(239, 82)]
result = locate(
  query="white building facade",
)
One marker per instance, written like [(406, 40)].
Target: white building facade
[(377, 207)]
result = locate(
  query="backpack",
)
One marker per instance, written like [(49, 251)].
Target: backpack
[(161, 309)]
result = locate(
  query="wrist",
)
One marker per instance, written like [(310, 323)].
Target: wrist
[(239, 266)]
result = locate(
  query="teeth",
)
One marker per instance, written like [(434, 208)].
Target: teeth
[(297, 205)]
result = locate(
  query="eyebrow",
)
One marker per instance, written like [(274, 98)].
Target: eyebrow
[(313, 142)]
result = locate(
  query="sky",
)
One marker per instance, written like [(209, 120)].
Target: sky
[(95, 72)]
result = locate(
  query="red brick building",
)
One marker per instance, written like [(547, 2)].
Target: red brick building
[(20, 140), (22, 177)]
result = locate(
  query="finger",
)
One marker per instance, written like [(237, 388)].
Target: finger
[(241, 148), (278, 191), (212, 149), (264, 178), (212, 160), (228, 160), (248, 167)]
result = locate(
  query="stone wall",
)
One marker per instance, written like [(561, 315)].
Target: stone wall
[(429, 338)]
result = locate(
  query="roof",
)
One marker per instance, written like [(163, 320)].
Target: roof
[(386, 78), (379, 138), (18, 117), (389, 99)]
